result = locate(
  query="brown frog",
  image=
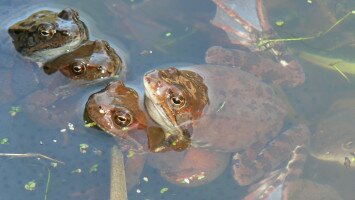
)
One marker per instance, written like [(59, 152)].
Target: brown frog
[(46, 34), (52, 105), (91, 61), (119, 111), (224, 109)]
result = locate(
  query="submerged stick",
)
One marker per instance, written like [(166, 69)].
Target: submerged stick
[(30, 155), (118, 178)]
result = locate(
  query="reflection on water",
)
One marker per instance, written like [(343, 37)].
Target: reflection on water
[(154, 33)]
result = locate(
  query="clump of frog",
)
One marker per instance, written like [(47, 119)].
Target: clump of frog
[(189, 120), (59, 41)]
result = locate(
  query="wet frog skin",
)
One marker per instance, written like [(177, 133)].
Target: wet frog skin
[(53, 104), (47, 34), (119, 111), (224, 109), (93, 60)]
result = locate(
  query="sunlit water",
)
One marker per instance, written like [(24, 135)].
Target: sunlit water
[(153, 34)]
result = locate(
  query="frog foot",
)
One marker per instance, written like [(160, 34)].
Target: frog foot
[(277, 184), (251, 167), (246, 24)]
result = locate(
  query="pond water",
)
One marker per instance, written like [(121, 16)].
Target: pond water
[(153, 34)]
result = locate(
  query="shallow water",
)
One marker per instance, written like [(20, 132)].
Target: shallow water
[(154, 34)]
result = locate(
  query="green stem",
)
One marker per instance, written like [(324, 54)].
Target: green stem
[(266, 41), (47, 185)]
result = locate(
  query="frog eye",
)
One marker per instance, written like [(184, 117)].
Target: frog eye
[(176, 100), (78, 69), (122, 117), (46, 30)]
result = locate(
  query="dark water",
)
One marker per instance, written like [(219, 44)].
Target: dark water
[(139, 27)]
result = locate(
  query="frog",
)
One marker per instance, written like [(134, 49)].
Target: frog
[(203, 103), (258, 49), (91, 65), (119, 111), (47, 34), (334, 138), (93, 60)]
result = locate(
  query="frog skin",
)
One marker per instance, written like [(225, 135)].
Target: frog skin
[(224, 109), (46, 34), (119, 111), (334, 138), (91, 61), (246, 25), (52, 104)]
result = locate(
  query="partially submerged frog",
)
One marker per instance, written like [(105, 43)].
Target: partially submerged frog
[(224, 109), (91, 61), (46, 34), (94, 62), (334, 138), (119, 111)]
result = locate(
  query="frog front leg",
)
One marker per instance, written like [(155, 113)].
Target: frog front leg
[(249, 168), (246, 24)]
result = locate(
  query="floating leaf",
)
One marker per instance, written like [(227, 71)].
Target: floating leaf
[(130, 154), (88, 125), (168, 34), (4, 141), (54, 164), (30, 186), (280, 23), (14, 110), (163, 190), (83, 147), (76, 171), (94, 168)]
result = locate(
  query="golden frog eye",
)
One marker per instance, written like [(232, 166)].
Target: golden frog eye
[(177, 101), (78, 69), (122, 117), (46, 30)]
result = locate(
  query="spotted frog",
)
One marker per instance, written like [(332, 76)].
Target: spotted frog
[(119, 111), (224, 109), (46, 34)]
